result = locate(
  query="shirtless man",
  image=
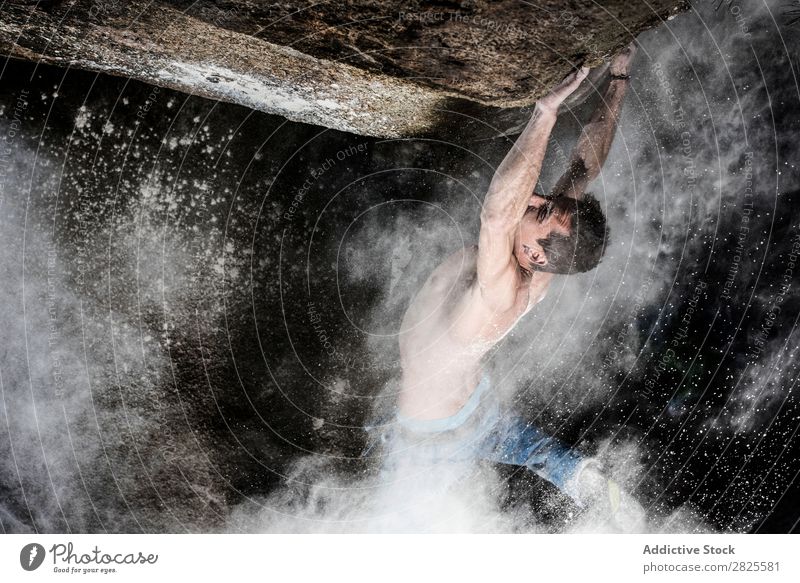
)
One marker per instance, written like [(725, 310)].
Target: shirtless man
[(480, 292)]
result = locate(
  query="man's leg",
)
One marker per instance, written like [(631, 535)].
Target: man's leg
[(488, 434), (514, 441)]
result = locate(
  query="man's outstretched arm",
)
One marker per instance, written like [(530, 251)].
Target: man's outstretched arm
[(592, 149), (516, 177), (509, 194)]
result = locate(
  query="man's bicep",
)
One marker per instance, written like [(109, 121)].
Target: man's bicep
[(496, 265)]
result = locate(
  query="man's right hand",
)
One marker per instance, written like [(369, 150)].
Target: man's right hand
[(551, 102), (621, 63)]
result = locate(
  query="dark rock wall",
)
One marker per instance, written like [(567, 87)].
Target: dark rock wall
[(503, 53), (380, 69)]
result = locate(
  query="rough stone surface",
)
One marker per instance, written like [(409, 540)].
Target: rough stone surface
[(386, 69)]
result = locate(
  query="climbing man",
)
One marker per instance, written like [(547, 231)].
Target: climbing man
[(479, 293)]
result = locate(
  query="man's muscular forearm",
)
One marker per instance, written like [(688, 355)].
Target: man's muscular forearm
[(516, 177), (592, 149)]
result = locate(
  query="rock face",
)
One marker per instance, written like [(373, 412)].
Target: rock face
[(378, 68)]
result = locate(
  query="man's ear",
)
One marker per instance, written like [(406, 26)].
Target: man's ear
[(541, 260), (536, 199)]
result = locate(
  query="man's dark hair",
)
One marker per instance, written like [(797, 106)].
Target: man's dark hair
[(582, 249)]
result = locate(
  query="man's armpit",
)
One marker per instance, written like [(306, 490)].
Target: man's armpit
[(499, 292)]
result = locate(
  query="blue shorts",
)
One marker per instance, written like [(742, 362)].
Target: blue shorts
[(478, 431)]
